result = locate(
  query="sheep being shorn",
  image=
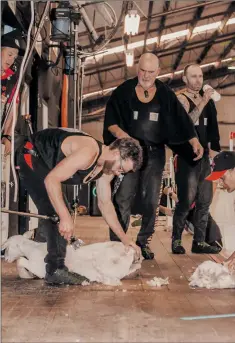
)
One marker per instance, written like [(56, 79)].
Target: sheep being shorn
[(106, 262)]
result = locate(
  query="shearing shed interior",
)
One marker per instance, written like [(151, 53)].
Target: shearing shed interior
[(118, 171)]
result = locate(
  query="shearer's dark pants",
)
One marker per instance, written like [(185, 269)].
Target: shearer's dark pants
[(32, 173), (192, 186), (148, 179)]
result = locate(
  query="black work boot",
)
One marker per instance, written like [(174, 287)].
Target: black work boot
[(147, 253), (177, 247), (64, 277), (204, 248), (217, 244)]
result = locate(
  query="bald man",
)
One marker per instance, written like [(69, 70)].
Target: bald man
[(147, 110)]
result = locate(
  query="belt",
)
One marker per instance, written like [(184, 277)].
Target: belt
[(151, 147), (29, 149)]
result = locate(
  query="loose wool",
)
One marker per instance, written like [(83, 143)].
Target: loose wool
[(210, 275)]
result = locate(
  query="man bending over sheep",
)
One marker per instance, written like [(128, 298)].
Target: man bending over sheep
[(59, 156)]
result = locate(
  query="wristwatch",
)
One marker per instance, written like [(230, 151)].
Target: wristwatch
[(7, 137)]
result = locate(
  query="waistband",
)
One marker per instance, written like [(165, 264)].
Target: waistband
[(153, 147)]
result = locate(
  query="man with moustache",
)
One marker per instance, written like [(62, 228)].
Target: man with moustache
[(59, 156), (147, 110), (223, 169), (190, 175)]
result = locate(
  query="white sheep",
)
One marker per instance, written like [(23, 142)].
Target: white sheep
[(106, 262)]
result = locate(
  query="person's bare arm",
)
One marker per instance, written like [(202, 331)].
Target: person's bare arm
[(197, 111), (117, 131), (64, 170), (169, 190), (8, 131), (231, 262), (166, 210), (103, 188)]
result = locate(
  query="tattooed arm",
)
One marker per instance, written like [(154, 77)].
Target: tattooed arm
[(196, 112)]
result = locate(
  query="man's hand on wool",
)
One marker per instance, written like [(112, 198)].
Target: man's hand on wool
[(66, 228), (130, 244)]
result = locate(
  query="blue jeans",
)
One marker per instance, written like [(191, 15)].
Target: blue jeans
[(148, 179), (192, 186)]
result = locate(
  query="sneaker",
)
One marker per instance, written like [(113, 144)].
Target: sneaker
[(64, 277), (217, 244), (204, 248), (177, 247), (147, 253)]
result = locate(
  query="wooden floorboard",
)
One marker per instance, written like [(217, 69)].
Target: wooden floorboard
[(131, 312)]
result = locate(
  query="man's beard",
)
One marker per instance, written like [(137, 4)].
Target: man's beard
[(108, 165), (195, 88)]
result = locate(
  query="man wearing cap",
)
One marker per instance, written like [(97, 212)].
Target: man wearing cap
[(10, 50), (224, 170), (190, 175)]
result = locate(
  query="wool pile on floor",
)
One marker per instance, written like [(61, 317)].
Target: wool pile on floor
[(211, 275)]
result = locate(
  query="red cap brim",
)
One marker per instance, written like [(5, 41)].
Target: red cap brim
[(215, 175)]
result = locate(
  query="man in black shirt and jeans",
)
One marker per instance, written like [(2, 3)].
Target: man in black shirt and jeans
[(60, 156), (147, 110), (190, 175)]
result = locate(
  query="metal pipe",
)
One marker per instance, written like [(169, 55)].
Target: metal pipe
[(29, 54), (75, 79), (78, 87), (81, 93), (34, 215)]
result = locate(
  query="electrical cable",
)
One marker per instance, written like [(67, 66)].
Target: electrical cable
[(29, 56), (14, 101)]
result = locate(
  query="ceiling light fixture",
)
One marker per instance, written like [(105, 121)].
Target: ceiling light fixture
[(131, 23), (129, 58)]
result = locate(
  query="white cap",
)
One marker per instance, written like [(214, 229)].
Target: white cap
[(215, 96)]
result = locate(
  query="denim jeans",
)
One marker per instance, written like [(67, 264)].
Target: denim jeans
[(192, 186), (33, 181), (148, 179), (213, 232)]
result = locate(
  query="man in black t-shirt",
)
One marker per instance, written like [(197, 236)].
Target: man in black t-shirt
[(59, 156), (190, 176), (147, 110)]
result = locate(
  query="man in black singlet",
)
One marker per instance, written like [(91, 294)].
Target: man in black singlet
[(147, 110), (58, 156), (190, 176)]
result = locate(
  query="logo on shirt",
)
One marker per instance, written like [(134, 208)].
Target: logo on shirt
[(205, 121), (153, 116), (135, 115)]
